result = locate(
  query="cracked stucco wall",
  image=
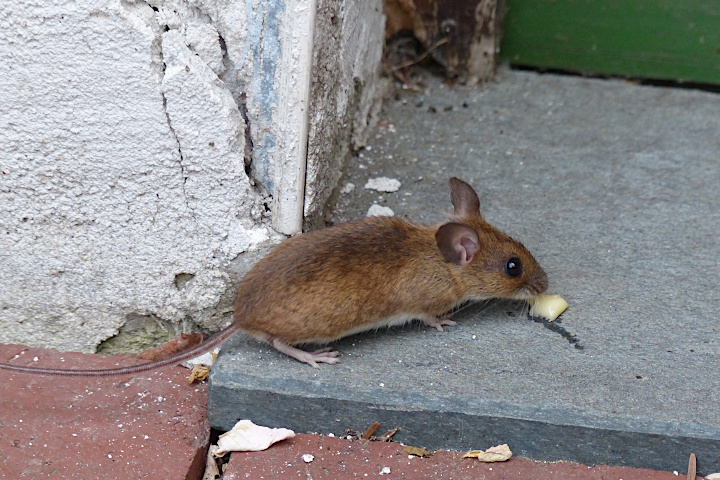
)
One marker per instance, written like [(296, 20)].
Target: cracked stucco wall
[(138, 151), (123, 166)]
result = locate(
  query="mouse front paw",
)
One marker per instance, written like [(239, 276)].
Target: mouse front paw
[(438, 322)]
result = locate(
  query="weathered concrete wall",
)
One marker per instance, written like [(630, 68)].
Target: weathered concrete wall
[(134, 181), (345, 91), (122, 167)]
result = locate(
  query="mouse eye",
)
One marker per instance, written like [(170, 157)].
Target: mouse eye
[(513, 267)]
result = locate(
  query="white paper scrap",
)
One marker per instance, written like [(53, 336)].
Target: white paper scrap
[(245, 436)]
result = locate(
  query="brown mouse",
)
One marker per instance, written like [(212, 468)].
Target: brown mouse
[(380, 271)]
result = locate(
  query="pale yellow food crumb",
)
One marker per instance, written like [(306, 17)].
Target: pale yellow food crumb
[(547, 306)]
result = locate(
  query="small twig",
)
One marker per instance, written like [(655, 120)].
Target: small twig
[(442, 41), (692, 467), (370, 431)]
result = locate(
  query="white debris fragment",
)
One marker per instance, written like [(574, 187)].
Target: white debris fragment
[(383, 184), (379, 211), (385, 471), (245, 436), (500, 453), (307, 458), (347, 188), (206, 359)]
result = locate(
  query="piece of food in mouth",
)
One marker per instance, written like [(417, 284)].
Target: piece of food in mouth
[(548, 307)]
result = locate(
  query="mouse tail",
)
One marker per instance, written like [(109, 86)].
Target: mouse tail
[(197, 350)]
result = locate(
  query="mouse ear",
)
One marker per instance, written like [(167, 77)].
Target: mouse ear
[(457, 242), (463, 198)]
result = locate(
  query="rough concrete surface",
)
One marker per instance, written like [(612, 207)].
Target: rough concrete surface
[(344, 93), (151, 425), (614, 187)]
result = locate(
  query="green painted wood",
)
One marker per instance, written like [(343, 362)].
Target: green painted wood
[(658, 39)]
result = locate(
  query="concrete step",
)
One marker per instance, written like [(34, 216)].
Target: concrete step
[(614, 188)]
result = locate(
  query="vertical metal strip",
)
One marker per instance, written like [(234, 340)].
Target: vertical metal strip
[(297, 34)]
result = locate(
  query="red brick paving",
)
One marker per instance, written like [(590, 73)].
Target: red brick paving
[(340, 459), (151, 425), (154, 425)]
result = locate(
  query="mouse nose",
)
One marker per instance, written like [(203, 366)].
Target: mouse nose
[(538, 283)]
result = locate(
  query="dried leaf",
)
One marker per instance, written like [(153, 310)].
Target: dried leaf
[(500, 453), (351, 435), (199, 373), (388, 435), (370, 431), (211, 468), (172, 347), (418, 452), (245, 436)]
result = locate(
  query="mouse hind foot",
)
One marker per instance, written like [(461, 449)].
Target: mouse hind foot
[(324, 355)]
